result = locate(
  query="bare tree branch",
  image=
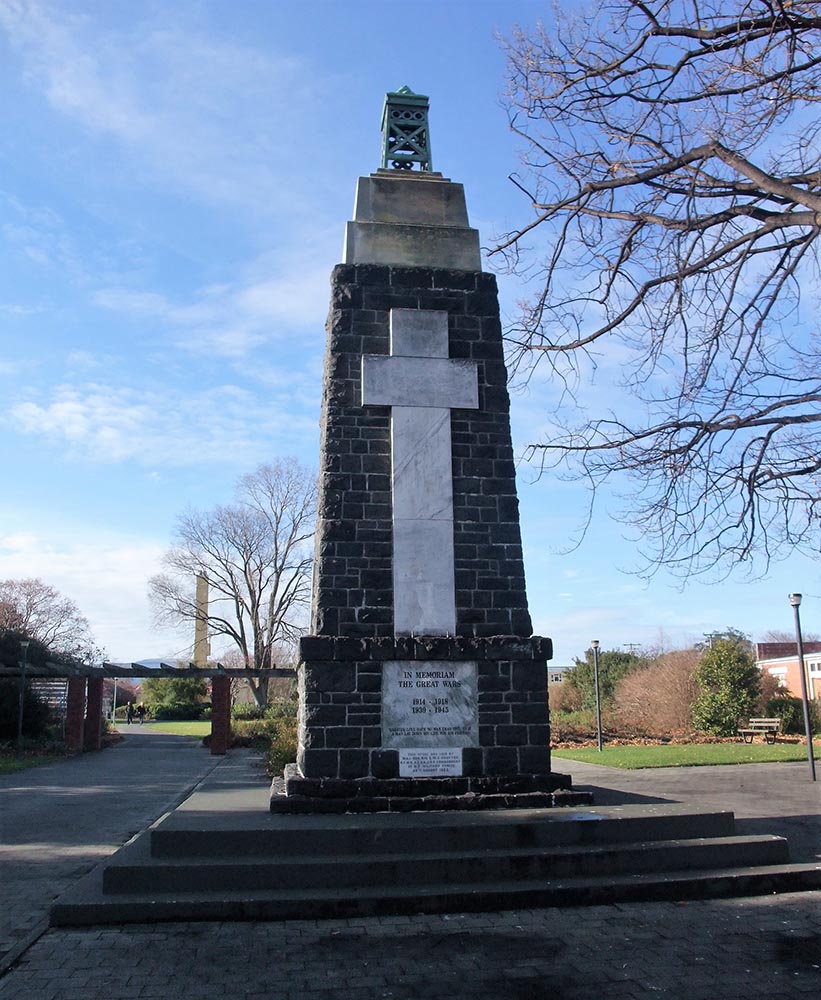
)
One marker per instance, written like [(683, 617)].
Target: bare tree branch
[(256, 554), (39, 611), (671, 159)]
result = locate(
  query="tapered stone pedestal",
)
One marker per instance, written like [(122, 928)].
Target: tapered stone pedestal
[(421, 685)]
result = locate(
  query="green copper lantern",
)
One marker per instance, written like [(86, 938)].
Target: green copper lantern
[(405, 133)]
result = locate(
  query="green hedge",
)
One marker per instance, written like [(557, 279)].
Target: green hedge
[(791, 712), (181, 711), (247, 710)]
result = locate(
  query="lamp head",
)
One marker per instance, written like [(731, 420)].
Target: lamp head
[(24, 644), (594, 643), (795, 600)]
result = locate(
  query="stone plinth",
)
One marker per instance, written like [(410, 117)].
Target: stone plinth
[(344, 763), (341, 688), (413, 220)]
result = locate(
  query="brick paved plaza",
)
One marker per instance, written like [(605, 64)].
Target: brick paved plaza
[(731, 949), (61, 820)]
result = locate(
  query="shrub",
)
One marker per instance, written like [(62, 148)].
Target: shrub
[(274, 734), (36, 714), (657, 700), (718, 712), (571, 726), (564, 697), (180, 711), (283, 746), (791, 712), (284, 710), (247, 710), (282, 715), (160, 693), (613, 666), (770, 688), (254, 730)]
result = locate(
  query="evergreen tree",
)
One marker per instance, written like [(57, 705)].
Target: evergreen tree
[(613, 665), (730, 683)]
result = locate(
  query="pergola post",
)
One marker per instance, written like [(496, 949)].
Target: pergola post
[(93, 732), (75, 712), (220, 714)]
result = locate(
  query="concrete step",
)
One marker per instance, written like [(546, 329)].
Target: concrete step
[(422, 867), (184, 834), (224, 837), (85, 905)]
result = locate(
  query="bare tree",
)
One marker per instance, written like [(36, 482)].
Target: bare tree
[(672, 160), (780, 635), (279, 688), (39, 611), (658, 698), (257, 558)]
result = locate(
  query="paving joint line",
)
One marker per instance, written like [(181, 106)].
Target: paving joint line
[(16, 952)]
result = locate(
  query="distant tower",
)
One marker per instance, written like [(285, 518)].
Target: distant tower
[(201, 622)]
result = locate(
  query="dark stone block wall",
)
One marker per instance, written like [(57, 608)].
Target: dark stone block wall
[(340, 692), (342, 764), (353, 583)]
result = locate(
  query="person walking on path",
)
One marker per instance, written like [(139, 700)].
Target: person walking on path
[(141, 712), (129, 713)]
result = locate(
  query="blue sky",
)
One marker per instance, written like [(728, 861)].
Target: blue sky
[(175, 180)]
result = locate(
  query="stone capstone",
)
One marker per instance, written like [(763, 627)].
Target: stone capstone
[(411, 219)]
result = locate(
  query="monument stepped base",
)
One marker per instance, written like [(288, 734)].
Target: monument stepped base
[(295, 794), (222, 856)]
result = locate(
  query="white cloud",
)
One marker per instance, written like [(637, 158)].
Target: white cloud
[(154, 427), (10, 309), (11, 368), (177, 101), (132, 302), (106, 576), (86, 361), (231, 319)]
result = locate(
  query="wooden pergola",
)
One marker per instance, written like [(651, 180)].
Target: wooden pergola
[(84, 694)]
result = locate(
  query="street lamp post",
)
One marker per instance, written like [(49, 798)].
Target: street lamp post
[(795, 600), (24, 645), (595, 644)]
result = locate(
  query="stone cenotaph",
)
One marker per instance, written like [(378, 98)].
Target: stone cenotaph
[(421, 685)]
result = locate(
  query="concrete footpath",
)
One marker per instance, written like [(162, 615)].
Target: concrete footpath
[(766, 798), (60, 820), (86, 807)]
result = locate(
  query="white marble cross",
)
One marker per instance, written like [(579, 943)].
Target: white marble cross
[(421, 384)]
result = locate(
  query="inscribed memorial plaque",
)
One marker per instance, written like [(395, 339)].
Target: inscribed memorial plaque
[(430, 703), (445, 762)]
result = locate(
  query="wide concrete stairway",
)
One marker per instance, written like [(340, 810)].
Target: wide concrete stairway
[(222, 856)]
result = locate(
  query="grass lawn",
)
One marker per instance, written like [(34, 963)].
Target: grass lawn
[(9, 765), (197, 729), (688, 755)]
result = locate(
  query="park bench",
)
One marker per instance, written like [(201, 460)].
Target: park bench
[(768, 728)]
